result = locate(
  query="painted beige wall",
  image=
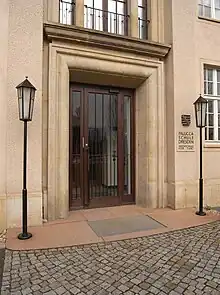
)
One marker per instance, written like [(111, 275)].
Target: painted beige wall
[(4, 17), (194, 42), (20, 55), (169, 90), (207, 48), (185, 93)]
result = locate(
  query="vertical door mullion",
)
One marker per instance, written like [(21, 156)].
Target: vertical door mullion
[(81, 147), (126, 19), (105, 15), (116, 16), (120, 141), (70, 149), (93, 13), (133, 108), (85, 150)]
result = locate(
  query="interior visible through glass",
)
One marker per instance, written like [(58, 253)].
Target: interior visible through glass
[(75, 157), (102, 138)]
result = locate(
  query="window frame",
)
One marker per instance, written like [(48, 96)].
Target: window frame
[(143, 22), (106, 16), (215, 98), (70, 4), (213, 8)]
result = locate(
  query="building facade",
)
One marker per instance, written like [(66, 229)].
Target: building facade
[(113, 118)]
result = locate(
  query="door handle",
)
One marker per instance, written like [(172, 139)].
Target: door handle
[(85, 145)]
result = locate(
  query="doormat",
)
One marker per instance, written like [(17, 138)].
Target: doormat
[(123, 225)]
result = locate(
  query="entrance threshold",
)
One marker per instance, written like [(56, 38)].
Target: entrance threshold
[(102, 225)]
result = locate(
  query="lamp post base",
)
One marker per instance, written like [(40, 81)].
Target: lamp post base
[(24, 236), (201, 213)]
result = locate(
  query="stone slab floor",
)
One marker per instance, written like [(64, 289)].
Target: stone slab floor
[(181, 262)]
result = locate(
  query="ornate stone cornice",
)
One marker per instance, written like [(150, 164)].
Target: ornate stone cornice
[(55, 31)]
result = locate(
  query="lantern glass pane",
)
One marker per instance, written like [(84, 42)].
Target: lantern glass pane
[(198, 114), (204, 114), (201, 113), (26, 101), (32, 93), (20, 108), (31, 109), (19, 92), (32, 103)]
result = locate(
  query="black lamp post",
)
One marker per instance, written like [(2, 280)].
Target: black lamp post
[(201, 118), (26, 95)]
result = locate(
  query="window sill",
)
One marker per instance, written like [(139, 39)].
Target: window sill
[(209, 19), (215, 145)]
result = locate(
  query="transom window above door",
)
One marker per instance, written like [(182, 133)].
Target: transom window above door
[(209, 8), (106, 15), (212, 94)]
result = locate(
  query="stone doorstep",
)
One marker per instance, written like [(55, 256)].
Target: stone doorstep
[(166, 219)]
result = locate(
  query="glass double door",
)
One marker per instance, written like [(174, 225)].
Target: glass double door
[(101, 164)]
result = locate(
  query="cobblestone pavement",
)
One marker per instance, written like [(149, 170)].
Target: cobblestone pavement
[(2, 255), (181, 262)]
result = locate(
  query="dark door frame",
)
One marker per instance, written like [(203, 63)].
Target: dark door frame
[(122, 199)]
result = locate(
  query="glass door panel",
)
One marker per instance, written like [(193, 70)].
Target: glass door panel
[(102, 141), (127, 145), (75, 148)]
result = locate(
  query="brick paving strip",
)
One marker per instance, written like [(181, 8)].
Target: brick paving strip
[(180, 262)]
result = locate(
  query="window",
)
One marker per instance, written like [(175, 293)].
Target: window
[(209, 8), (106, 15), (212, 94), (142, 19), (67, 12)]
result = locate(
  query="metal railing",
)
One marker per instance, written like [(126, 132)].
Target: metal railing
[(67, 12), (143, 28), (107, 21)]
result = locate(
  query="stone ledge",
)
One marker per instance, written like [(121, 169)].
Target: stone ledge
[(54, 31)]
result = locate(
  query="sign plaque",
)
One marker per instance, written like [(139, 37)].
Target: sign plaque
[(185, 141), (186, 120)]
